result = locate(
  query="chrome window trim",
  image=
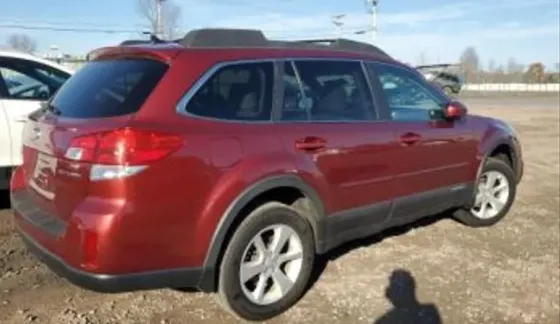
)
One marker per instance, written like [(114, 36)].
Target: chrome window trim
[(289, 60), (180, 108), (434, 94), (304, 95), (309, 121), (371, 92)]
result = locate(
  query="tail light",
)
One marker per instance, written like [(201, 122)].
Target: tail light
[(122, 147), (122, 152)]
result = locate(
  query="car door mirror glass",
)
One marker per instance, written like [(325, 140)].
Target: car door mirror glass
[(455, 110)]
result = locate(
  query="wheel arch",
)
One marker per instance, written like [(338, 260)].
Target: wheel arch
[(243, 203), (501, 146)]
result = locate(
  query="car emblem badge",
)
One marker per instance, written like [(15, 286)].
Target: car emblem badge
[(36, 134)]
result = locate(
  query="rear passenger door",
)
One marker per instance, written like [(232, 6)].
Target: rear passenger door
[(329, 123)]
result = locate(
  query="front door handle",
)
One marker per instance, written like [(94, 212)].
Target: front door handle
[(410, 138), (310, 143)]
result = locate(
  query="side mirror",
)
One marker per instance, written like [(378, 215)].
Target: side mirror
[(454, 110)]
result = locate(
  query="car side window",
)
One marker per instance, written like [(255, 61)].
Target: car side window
[(236, 92), (26, 80), (325, 90), (295, 107), (409, 97)]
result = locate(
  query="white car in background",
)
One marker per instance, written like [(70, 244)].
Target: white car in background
[(25, 81)]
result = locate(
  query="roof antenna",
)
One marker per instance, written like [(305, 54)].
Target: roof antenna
[(154, 38)]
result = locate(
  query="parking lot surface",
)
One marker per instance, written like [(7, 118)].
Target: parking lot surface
[(508, 273)]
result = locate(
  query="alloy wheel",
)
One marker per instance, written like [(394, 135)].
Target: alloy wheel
[(271, 264), (491, 196)]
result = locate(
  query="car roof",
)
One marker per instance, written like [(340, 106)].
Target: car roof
[(245, 44), (30, 57)]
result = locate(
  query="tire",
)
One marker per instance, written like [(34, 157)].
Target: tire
[(233, 293), (471, 216)]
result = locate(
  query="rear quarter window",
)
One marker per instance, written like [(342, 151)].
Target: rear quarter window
[(108, 88), (237, 91)]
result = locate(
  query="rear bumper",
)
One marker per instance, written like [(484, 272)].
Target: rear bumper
[(176, 278), (61, 245)]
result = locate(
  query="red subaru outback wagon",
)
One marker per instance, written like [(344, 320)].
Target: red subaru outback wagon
[(226, 162)]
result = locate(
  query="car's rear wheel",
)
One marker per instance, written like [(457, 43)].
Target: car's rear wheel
[(494, 195), (267, 263)]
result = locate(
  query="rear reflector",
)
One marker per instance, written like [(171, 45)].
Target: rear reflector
[(122, 147), (109, 172)]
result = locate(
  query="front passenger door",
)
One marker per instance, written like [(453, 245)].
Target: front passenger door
[(435, 153)]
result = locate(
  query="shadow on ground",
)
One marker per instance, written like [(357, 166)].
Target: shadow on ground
[(321, 261), (401, 292), (401, 289)]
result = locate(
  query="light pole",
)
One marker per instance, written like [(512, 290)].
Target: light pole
[(159, 18), (372, 7)]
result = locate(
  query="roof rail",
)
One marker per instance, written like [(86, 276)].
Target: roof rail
[(442, 65), (135, 42), (343, 44), (232, 37), (222, 37), (154, 39)]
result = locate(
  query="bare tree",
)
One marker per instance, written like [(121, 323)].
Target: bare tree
[(22, 42), (514, 71), (554, 77), (513, 66), (492, 65), (470, 64), (170, 17), (490, 74), (500, 74)]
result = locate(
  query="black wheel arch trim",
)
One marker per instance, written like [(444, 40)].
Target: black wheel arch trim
[(502, 141), (209, 278)]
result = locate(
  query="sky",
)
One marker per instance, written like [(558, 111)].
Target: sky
[(434, 31)]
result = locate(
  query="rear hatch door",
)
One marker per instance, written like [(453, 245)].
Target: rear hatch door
[(102, 96)]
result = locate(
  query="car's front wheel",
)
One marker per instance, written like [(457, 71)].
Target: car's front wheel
[(494, 195), (267, 264)]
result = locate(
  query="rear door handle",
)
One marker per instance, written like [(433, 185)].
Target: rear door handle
[(310, 143), (410, 138)]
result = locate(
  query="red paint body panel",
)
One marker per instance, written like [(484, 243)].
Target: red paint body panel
[(356, 167), (442, 157), (165, 216)]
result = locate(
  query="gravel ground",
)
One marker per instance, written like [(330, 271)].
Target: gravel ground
[(508, 273)]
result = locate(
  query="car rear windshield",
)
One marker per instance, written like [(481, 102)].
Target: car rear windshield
[(108, 88)]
